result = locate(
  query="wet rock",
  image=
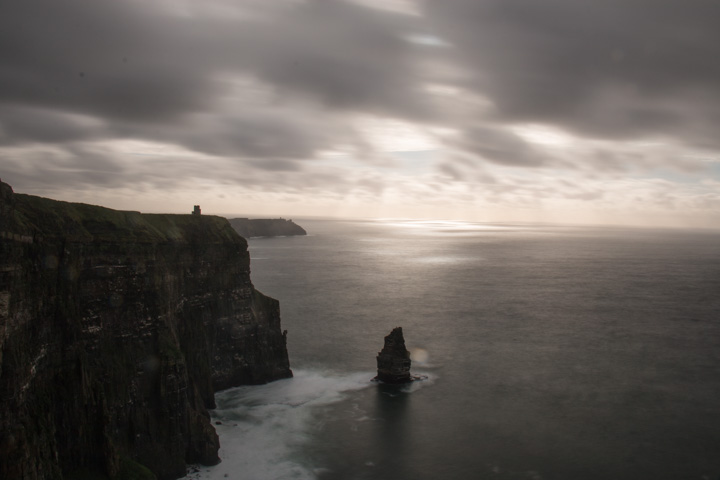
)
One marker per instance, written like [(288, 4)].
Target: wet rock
[(393, 362)]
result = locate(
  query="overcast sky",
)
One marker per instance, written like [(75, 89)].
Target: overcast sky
[(487, 110)]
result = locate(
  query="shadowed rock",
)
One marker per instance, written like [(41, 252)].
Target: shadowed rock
[(393, 361), (266, 227), (116, 330)]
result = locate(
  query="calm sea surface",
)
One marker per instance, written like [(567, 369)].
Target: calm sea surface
[(551, 353)]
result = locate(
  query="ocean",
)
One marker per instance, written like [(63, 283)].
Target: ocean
[(551, 353)]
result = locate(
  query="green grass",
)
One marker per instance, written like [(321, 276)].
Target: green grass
[(33, 215)]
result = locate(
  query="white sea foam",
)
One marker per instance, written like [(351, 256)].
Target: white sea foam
[(263, 427)]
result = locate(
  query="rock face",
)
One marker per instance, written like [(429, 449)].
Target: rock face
[(116, 329), (393, 362), (266, 227)]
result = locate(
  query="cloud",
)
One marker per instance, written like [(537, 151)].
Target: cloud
[(66, 167), (109, 59), (423, 102), (501, 147), (614, 69), (21, 124), (253, 80)]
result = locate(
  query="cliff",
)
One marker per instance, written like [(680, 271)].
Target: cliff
[(393, 361), (116, 329), (266, 227)]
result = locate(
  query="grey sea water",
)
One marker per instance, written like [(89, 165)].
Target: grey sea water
[(551, 352)]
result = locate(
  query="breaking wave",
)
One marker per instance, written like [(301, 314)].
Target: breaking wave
[(262, 428)]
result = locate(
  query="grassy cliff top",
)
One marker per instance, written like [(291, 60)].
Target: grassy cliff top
[(30, 215)]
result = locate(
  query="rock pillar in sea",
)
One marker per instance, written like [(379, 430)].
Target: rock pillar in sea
[(393, 362)]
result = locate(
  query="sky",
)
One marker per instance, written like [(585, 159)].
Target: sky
[(568, 111)]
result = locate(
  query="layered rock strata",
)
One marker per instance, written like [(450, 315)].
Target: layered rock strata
[(116, 329), (393, 362)]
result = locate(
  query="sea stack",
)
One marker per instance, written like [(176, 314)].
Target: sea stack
[(393, 362)]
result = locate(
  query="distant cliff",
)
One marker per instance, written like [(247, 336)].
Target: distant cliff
[(116, 329), (266, 227)]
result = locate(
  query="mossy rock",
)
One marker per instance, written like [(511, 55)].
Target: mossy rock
[(131, 470)]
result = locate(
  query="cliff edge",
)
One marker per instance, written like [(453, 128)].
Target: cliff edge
[(116, 329), (266, 227)]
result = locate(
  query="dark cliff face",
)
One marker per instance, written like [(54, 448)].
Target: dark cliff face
[(266, 227), (393, 361), (116, 329)]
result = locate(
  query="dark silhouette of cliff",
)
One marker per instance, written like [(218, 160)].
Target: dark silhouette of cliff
[(116, 329), (266, 227)]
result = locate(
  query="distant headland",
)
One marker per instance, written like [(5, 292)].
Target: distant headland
[(266, 227)]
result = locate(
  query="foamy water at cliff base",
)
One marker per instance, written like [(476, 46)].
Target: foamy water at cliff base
[(265, 430), (262, 428)]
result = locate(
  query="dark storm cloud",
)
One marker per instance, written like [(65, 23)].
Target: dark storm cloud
[(82, 70), (112, 59), (615, 68), (345, 56), (256, 133), (501, 147), (74, 72), (133, 60), (21, 124)]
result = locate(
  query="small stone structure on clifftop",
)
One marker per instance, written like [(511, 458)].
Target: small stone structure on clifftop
[(393, 362)]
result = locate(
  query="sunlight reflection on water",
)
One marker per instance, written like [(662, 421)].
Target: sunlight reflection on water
[(549, 343), (446, 260), (443, 226)]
